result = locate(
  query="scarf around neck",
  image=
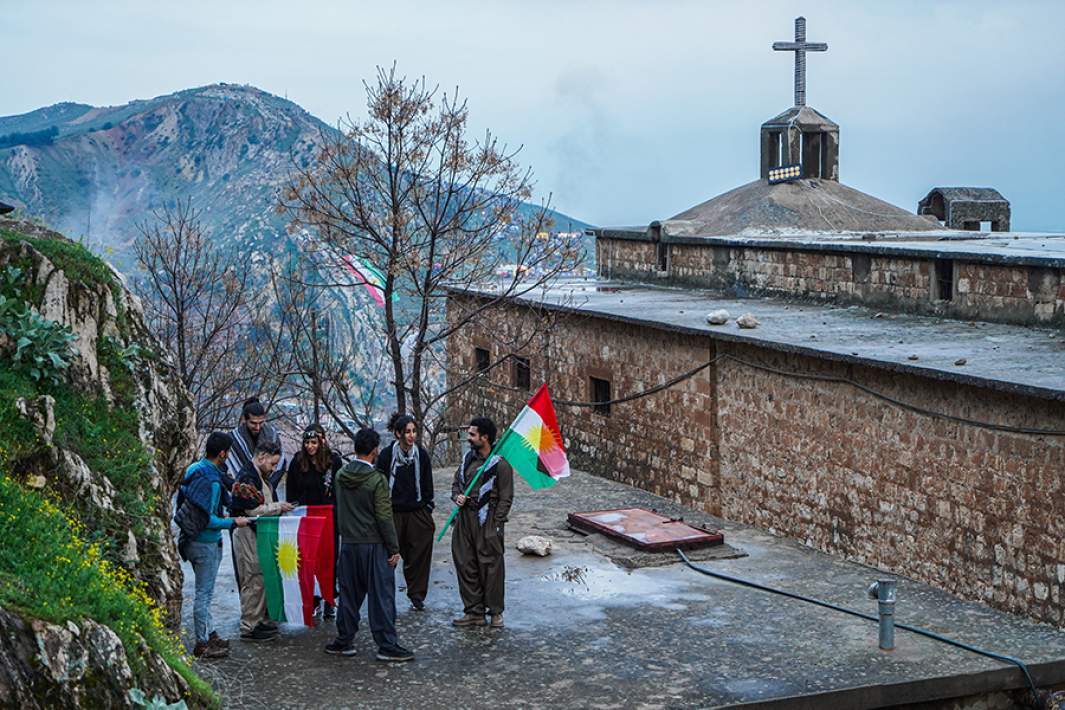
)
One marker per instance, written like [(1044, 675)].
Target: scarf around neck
[(400, 459)]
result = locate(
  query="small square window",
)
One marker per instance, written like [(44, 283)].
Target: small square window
[(520, 375), (482, 360), (601, 395), (944, 271)]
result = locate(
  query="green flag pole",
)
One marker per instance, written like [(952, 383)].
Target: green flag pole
[(473, 482)]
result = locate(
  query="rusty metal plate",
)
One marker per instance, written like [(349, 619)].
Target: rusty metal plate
[(645, 529)]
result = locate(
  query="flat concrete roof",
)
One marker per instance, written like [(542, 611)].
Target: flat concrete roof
[(1007, 248), (1012, 358), (584, 632)]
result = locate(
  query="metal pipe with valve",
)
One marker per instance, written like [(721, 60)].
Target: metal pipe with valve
[(884, 592)]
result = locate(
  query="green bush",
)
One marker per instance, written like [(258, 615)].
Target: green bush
[(42, 346)]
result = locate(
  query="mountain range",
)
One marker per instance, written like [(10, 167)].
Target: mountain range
[(95, 173)]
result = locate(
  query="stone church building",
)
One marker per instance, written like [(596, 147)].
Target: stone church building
[(900, 402)]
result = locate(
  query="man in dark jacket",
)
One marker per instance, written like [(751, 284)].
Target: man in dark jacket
[(477, 541), (410, 477), (369, 553)]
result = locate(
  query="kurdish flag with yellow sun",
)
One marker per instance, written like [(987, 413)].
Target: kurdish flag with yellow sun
[(533, 443), (532, 446), (288, 555)]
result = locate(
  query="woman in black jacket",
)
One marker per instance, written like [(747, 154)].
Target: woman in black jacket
[(311, 472), (406, 465), (310, 480)]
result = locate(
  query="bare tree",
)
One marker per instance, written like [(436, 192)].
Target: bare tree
[(409, 192), (204, 305), (337, 364)]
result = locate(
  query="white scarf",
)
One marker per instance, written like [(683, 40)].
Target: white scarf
[(400, 458)]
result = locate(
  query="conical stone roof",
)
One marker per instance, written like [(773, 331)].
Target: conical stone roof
[(804, 206)]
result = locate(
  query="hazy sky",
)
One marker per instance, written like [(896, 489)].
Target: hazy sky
[(628, 111)]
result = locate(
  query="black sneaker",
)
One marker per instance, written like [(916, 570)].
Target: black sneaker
[(417, 605), (398, 654), (340, 649), (329, 613), (258, 634)]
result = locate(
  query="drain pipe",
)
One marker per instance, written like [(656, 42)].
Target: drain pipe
[(1038, 699), (884, 592)]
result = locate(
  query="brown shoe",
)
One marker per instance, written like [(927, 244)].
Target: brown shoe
[(469, 620), (218, 640), (497, 621), (207, 650)]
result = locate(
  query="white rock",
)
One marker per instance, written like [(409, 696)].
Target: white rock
[(718, 317), (534, 545), (129, 551), (747, 321)]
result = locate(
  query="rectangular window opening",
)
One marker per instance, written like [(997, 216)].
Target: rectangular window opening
[(482, 359), (520, 375), (601, 395), (944, 279), (663, 256), (985, 227)]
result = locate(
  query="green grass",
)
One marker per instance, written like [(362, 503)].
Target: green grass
[(48, 571), (106, 439), (18, 440)]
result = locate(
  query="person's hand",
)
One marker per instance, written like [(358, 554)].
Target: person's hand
[(241, 522), (287, 507), (393, 560), (461, 500)]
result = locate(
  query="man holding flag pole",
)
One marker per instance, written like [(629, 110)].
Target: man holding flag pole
[(483, 491), (477, 543)]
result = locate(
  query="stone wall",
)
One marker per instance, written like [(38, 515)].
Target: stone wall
[(666, 444), (968, 509), (624, 259), (1009, 294)]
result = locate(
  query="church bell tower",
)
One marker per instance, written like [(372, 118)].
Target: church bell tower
[(801, 142)]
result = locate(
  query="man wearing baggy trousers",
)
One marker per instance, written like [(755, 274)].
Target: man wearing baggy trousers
[(369, 553), (477, 542)]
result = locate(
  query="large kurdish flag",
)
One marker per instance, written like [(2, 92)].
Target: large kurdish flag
[(533, 444), (288, 549)]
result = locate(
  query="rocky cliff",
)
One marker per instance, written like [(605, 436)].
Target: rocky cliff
[(95, 430)]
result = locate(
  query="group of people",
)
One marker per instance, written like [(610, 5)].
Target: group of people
[(383, 514)]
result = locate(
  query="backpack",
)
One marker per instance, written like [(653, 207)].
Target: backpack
[(191, 520)]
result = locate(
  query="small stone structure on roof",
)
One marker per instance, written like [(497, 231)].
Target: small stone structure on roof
[(966, 207)]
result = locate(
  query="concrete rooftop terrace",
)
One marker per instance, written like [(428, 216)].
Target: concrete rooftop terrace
[(584, 632), (1006, 357)]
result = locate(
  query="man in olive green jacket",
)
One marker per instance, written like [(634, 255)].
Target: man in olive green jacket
[(369, 553)]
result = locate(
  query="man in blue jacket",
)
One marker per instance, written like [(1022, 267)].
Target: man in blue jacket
[(202, 500)]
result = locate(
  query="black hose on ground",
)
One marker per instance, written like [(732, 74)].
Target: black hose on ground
[(1036, 697)]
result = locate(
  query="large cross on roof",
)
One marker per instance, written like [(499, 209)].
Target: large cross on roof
[(800, 46)]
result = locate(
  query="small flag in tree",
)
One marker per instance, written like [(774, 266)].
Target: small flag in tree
[(369, 276)]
